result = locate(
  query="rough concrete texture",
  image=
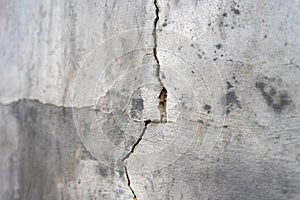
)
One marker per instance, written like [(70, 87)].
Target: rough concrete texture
[(150, 99)]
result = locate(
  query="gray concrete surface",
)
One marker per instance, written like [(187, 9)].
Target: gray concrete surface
[(150, 99)]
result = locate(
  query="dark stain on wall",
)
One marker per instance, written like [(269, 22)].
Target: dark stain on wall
[(277, 99), (47, 152), (137, 106), (103, 171), (232, 99), (46, 148), (207, 108)]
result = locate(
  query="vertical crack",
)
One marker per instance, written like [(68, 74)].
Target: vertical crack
[(128, 155), (155, 42), (128, 181), (162, 105), (162, 99)]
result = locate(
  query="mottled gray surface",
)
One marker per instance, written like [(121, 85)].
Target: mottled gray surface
[(157, 100)]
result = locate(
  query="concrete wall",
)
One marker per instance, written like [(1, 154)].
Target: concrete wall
[(149, 99)]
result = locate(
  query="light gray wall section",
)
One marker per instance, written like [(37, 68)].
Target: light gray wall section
[(78, 81)]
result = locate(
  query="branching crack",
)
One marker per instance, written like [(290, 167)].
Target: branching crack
[(162, 98)]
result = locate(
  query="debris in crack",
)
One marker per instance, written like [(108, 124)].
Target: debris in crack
[(128, 155), (162, 98), (162, 106)]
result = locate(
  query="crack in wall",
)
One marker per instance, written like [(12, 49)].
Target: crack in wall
[(128, 155), (138, 141), (162, 105), (162, 99), (128, 181), (147, 122), (155, 42)]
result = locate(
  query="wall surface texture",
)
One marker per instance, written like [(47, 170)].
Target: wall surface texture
[(150, 100)]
